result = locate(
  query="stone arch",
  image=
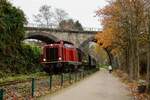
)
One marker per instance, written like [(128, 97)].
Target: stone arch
[(86, 42), (81, 46), (42, 36)]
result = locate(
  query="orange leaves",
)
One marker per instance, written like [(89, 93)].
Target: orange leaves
[(109, 13), (107, 10), (105, 38), (110, 17)]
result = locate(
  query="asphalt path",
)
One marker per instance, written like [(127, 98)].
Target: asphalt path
[(99, 86)]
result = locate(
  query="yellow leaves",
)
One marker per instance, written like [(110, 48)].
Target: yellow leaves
[(100, 51), (110, 17), (108, 10), (109, 13), (105, 38)]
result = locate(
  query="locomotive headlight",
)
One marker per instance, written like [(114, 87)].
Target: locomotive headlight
[(60, 58), (44, 59)]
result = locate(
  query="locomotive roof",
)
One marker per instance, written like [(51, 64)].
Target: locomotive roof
[(65, 42)]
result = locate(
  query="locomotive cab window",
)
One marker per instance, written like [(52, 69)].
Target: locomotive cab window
[(52, 54)]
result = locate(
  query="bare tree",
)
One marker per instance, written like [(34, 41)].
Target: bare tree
[(60, 15), (45, 16)]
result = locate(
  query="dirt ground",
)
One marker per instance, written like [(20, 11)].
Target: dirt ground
[(99, 86)]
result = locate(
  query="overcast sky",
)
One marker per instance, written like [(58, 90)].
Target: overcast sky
[(82, 10)]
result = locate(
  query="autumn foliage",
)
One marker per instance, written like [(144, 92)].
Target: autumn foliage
[(110, 16), (126, 32)]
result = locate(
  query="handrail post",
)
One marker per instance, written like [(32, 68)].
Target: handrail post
[(83, 74), (62, 79), (50, 81), (80, 75), (70, 77), (33, 86), (75, 76), (1, 94)]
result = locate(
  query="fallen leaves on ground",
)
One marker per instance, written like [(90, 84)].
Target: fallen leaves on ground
[(132, 86)]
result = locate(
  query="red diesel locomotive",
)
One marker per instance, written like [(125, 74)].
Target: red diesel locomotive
[(62, 56)]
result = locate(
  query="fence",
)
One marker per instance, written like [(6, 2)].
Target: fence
[(38, 87)]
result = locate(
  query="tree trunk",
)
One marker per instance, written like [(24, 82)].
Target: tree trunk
[(148, 54), (131, 53), (148, 67), (138, 61)]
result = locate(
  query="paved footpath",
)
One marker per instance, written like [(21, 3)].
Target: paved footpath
[(99, 86)]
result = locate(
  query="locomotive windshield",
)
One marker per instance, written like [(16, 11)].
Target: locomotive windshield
[(52, 54)]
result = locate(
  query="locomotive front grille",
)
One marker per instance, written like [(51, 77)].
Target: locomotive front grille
[(52, 54)]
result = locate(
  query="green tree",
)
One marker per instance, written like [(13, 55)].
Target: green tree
[(70, 25), (15, 58), (12, 22), (78, 26)]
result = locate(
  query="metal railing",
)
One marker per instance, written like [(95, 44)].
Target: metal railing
[(39, 87), (56, 27)]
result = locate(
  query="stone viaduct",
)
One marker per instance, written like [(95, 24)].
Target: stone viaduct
[(49, 35)]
